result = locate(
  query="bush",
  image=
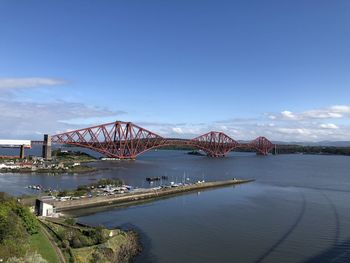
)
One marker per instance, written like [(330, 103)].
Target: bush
[(109, 181), (80, 192), (76, 243), (82, 187), (65, 243), (12, 227), (97, 235), (86, 241), (13, 248), (16, 224), (68, 234), (79, 259), (96, 257), (62, 193), (107, 252), (29, 220), (70, 221)]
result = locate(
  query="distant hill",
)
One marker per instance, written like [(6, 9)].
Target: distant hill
[(320, 143)]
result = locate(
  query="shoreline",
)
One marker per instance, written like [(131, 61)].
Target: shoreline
[(60, 163), (82, 169), (138, 197)]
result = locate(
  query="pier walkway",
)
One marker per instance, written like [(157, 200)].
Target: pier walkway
[(135, 196)]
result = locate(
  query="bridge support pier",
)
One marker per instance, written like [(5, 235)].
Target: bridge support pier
[(274, 150), (47, 147), (21, 154)]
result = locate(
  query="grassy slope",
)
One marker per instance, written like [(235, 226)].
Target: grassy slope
[(119, 240), (42, 245), (84, 254)]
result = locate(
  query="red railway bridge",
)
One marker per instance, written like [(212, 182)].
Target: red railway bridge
[(125, 140)]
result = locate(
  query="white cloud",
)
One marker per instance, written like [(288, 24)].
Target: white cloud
[(284, 126), (329, 126), (332, 112), (30, 119), (320, 114), (35, 82), (299, 131), (288, 115), (177, 130), (341, 108)]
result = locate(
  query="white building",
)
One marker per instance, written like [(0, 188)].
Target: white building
[(8, 166), (45, 208)]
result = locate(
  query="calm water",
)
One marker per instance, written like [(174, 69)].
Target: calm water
[(298, 210)]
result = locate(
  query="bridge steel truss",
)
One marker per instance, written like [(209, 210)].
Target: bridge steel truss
[(125, 140)]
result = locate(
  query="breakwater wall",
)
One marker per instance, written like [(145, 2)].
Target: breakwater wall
[(135, 196)]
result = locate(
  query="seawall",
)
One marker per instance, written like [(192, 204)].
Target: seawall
[(133, 197)]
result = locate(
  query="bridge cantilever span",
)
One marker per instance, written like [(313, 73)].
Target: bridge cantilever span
[(125, 140), (215, 144)]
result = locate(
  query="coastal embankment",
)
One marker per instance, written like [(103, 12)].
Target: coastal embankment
[(139, 196)]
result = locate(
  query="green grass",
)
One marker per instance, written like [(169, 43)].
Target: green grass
[(42, 245)]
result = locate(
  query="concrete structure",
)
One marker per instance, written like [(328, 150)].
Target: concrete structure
[(47, 147), (43, 207), (138, 196), (21, 154), (22, 144)]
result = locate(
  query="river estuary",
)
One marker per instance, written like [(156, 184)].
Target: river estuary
[(297, 210)]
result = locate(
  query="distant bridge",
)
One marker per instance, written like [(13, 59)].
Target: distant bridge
[(125, 140), (22, 144)]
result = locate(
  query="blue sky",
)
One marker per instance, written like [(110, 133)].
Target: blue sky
[(180, 68)]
